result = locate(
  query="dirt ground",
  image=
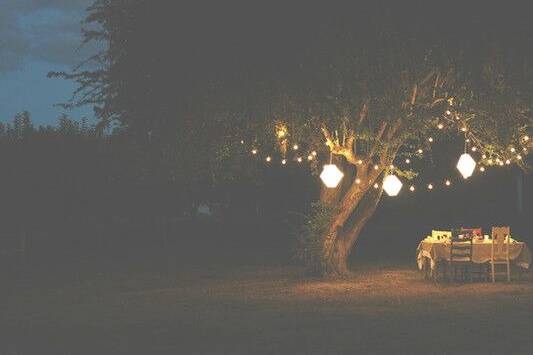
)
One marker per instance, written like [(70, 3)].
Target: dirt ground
[(266, 310)]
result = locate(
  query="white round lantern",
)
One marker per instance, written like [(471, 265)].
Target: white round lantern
[(331, 175), (392, 185), (466, 165)]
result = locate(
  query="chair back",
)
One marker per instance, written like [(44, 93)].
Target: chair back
[(472, 232), (442, 234), (501, 238), (461, 251)]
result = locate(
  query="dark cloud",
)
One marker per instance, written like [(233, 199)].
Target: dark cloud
[(45, 30)]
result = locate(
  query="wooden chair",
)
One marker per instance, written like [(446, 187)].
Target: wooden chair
[(460, 256), (499, 254)]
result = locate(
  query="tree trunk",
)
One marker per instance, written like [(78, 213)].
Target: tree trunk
[(343, 232)]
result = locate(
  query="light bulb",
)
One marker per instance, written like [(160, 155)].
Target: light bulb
[(430, 139), (430, 186), (412, 188), (392, 185), (314, 153), (295, 147), (440, 126), (358, 181), (447, 182), (376, 167), (376, 185), (254, 151), (268, 159), (466, 165), (407, 161), (331, 175), (513, 149), (309, 157), (482, 169), (284, 161), (299, 159)]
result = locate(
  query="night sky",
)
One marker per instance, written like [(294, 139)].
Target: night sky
[(38, 36)]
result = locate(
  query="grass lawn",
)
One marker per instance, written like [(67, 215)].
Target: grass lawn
[(266, 310)]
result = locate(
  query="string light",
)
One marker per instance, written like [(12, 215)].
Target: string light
[(407, 161), (309, 157), (331, 175), (376, 167), (376, 185), (430, 186), (513, 150), (254, 151), (299, 159), (500, 163), (519, 157), (467, 140), (489, 161), (440, 126), (391, 166), (466, 165), (284, 161), (463, 129), (484, 156), (411, 188), (392, 185), (295, 147), (474, 149), (448, 112), (357, 181), (268, 159), (420, 151), (507, 162), (313, 153), (447, 183), (359, 162), (430, 139), (242, 141), (526, 138), (482, 169)]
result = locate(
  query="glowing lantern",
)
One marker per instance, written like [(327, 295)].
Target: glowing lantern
[(331, 175), (392, 185), (466, 165)]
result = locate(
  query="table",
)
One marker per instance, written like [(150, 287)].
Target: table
[(438, 251)]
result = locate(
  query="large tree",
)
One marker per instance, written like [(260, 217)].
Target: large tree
[(372, 96), (365, 88)]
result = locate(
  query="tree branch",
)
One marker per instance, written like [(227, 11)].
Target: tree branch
[(345, 150)]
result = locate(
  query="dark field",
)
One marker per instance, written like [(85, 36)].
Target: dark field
[(265, 310)]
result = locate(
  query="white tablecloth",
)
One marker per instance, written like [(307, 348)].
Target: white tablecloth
[(439, 250)]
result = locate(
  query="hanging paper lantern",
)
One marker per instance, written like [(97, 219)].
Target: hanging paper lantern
[(392, 185), (331, 175), (466, 165)]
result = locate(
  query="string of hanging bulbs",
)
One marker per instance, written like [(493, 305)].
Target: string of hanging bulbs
[(331, 175)]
